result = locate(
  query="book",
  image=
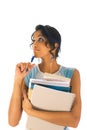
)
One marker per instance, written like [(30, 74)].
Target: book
[(57, 85), (60, 88), (51, 100), (50, 82), (51, 94)]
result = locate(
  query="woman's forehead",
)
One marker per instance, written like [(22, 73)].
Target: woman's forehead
[(37, 34)]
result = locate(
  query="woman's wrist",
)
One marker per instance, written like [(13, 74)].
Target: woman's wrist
[(31, 111), (18, 81)]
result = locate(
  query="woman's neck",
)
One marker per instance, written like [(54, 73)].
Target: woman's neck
[(49, 66)]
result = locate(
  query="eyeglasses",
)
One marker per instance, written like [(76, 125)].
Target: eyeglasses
[(38, 40)]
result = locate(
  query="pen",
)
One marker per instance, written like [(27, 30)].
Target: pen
[(32, 58)]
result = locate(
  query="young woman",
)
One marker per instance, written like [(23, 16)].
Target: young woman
[(46, 43)]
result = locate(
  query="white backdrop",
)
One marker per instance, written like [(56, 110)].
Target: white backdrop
[(17, 21)]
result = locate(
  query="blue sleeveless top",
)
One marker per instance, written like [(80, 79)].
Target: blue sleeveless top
[(37, 74)]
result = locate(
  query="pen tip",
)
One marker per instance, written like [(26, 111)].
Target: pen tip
[(32, 58)]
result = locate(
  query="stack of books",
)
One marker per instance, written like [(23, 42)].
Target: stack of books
[(51, 94)]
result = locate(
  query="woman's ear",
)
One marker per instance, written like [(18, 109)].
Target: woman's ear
[(48, 45), (56, 45), (54, 50)]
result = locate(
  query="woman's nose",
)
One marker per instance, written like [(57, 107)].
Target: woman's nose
[(34, 45)]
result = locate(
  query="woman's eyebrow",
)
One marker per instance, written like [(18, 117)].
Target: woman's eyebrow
[(38, 36)]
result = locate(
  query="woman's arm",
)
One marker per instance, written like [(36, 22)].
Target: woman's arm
[(71, 118), (15, 109), (19, 89)]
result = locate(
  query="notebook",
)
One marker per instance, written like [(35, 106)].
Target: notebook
[(51, 99), (48, 99), (49, 82)]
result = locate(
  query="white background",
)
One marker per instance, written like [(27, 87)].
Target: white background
[(17, 21)]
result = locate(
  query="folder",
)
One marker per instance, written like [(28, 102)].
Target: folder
[(50, 82), (51, 100), (52, 93)]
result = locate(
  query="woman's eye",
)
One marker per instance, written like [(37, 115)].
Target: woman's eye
[(40, 40)]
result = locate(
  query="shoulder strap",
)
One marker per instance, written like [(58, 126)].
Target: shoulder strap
[(67, 72)]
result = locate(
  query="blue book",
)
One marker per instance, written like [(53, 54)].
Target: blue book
[(57, 85), (60, 88)]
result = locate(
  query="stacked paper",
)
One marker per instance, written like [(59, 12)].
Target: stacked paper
[(50, 82), (47, 95), (49, 99), (57, 85)]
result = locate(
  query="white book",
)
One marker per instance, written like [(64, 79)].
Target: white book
[(50, 82), (52, 100)]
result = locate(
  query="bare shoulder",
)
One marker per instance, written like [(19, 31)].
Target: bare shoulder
[(76, 72), (76, 81), (76, 76)]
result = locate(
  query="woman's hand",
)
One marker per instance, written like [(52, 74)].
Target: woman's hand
[(22, 69), (26, 104)]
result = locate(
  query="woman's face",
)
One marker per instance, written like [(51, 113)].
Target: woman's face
[(40, 50)]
